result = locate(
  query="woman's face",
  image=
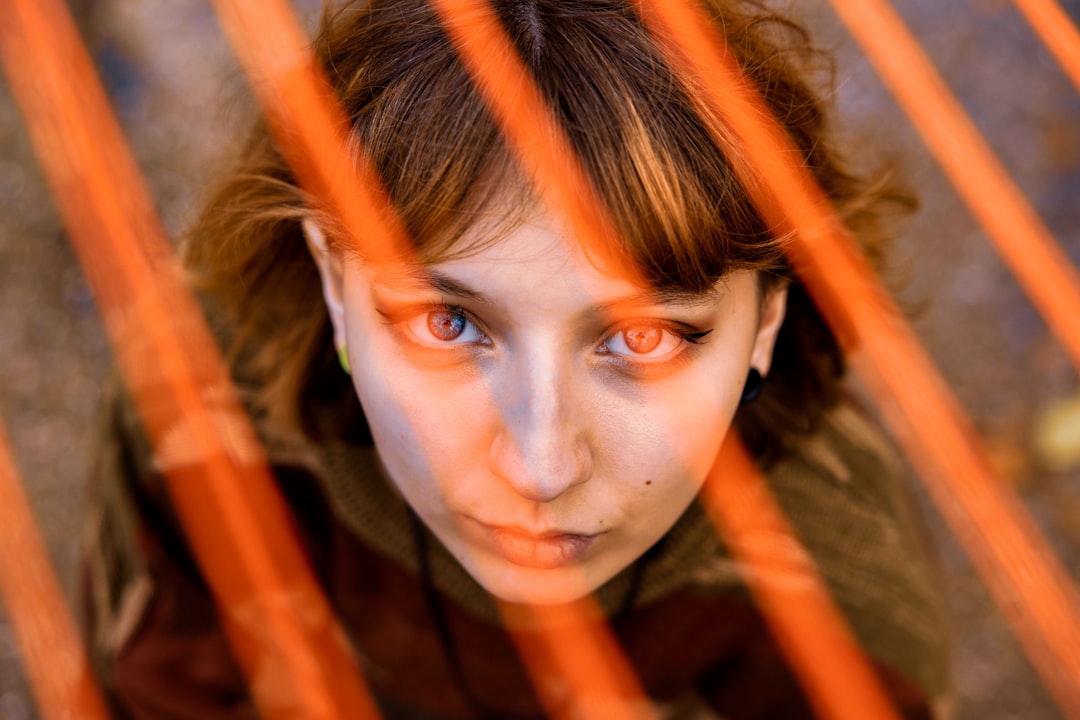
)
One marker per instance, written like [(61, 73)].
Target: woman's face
[(548, 422)]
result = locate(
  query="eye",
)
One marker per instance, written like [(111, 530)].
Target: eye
[(648, 342), (445, 325)]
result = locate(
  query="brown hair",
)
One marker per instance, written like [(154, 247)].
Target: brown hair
[(679, 209)]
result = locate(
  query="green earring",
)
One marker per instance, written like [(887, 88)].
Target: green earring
[(343, 359)]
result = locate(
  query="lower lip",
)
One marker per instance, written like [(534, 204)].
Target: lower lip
[(541, 553)]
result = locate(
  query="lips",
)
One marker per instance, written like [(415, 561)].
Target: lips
[(546, 551)]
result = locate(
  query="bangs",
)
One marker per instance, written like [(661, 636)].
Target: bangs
[(681, 215)]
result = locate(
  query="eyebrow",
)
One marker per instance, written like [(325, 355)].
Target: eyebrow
[(659, 296), (413, 274)]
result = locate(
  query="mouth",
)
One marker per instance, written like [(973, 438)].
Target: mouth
[(544, 551)]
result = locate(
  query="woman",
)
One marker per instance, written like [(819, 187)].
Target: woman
[(512, 417)]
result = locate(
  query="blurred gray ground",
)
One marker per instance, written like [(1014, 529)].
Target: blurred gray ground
[(178, 94)]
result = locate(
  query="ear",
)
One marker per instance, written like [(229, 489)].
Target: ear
[(771, 318), (331, 270)]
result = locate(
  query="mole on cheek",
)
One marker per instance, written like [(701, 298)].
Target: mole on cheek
[(648, 482)]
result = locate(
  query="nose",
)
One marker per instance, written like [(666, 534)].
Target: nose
[(540, 447)]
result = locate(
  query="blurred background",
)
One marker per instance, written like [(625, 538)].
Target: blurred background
[(180, 98)]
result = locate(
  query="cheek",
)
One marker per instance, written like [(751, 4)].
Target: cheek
[(700, 420), (659, 459), (668, 434), (428, 431)]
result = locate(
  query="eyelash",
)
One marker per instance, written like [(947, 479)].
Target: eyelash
[(685, 335), (686, 338), (399, 317)]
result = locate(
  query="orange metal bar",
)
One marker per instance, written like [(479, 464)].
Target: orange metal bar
[(1057, 31), (284, 634), (574, 647), (52, 653), (310, 127), (789, 591), (1005, 546), (574, 644), (532, 130), (563, 184), (1027, 247)]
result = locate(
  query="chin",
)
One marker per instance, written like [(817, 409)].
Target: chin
[(531, 586)]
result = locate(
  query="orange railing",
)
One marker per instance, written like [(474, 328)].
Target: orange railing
[(1040, 266), (282, 628), (545, 152), (54, 657), (1057, 31), (1014, 560)]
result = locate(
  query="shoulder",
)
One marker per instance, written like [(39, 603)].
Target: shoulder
[(849, 499), (150, 620), (846, 496)]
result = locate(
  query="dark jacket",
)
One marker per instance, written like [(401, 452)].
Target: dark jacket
[(429, 638)]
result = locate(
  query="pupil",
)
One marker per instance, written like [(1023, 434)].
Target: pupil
[(446, 324), (643, 340)]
